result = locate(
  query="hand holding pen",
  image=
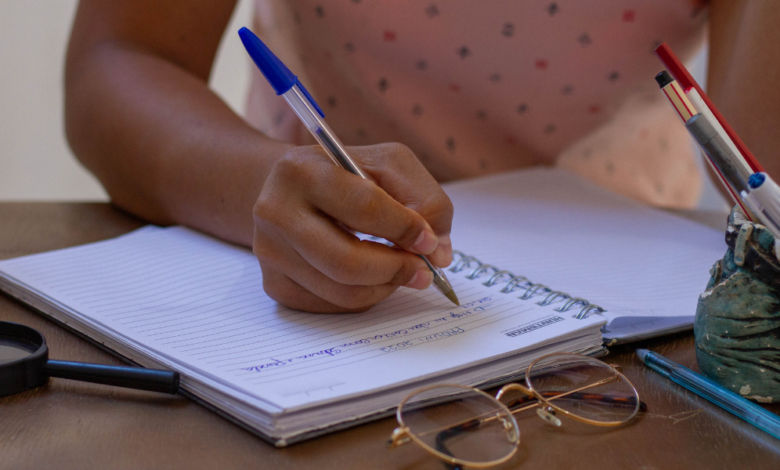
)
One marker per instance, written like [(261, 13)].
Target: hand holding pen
[(308, 260)]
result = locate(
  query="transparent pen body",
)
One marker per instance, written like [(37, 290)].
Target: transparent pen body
[(320, 130)]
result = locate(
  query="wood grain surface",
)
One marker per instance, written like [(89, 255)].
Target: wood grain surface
[(74, 425)]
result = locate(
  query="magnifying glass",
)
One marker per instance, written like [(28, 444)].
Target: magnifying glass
[(25, 364)]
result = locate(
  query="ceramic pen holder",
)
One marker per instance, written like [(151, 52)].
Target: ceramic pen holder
[(737, 327)]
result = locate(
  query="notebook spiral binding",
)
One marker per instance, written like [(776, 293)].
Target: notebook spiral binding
[(513, 283)]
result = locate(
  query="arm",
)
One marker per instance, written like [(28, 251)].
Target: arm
[(140, 116), (744, 73)]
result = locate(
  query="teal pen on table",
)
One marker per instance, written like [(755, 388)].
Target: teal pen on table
[(308, 111), (711, 391)]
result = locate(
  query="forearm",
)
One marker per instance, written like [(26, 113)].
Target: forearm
[(163, 145), (745, 73), (139, 114)]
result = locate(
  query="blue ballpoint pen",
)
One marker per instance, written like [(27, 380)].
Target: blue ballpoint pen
[(292, 90), (706, 388)]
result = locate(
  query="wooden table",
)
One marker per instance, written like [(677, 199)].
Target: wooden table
[(78, 425)]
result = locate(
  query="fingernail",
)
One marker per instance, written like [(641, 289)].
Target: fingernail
[(421, 280), (443, 252), (426, 242)]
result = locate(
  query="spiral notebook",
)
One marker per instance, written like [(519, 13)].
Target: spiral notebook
[(645, 267), (174, 298)]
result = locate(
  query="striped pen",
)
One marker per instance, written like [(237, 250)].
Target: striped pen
[(730, 169), (705, 106)]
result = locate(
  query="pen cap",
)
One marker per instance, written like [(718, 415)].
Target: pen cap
[(764, 189), (756, 180), (277, 74), (274, 70), (664, 78)]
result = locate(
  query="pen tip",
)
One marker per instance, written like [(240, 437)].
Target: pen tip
[(453, 298), (641, 353)]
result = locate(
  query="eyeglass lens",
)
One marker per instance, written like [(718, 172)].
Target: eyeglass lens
[(471, 426), (584, 387)]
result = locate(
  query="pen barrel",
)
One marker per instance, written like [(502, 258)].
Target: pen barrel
[(130, 377), (719, 152), (701, 107), (711, 391), (679, 101), (320, 130)]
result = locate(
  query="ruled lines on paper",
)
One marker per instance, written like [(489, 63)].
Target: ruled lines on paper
[(200, 301)]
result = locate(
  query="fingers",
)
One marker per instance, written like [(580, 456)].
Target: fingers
[(401, 175), (288, 292), (341, 257), (293, 295), (310, 262), (442, 255), (365, 207), (291, 279)]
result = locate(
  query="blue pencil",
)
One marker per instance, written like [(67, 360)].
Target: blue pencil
[(706, 388)]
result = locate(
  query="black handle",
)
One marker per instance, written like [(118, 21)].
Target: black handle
[(131, 377)]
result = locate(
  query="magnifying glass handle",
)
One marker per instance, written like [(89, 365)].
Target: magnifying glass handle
[(130, 377)]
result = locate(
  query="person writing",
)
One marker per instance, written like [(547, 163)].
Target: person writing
[(421, 94)]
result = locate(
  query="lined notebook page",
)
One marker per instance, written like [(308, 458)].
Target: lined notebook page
[(197, 301), (560, 230)]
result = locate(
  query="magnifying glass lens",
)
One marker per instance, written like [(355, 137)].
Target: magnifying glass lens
[(12, 349)]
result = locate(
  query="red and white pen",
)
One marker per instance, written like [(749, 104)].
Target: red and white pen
[(705, 106), (732, 174)]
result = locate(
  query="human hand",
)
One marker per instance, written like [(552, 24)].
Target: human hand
[(310, 262)]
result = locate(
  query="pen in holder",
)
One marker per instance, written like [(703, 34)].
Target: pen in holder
[(737, 327)]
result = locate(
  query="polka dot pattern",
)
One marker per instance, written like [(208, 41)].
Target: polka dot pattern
[(509, 84)]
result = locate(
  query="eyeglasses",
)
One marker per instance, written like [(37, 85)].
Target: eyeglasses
[(466, 426)]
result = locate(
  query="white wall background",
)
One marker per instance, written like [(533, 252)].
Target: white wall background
[(35, 161)]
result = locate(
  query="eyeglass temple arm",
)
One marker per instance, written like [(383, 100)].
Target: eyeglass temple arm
[(452, 432), (576, 393), (459, 428), (441, 447), (455, 429), (400, 437), (592, 397)]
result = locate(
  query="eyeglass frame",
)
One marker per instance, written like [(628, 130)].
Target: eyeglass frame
[(401, 435)]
